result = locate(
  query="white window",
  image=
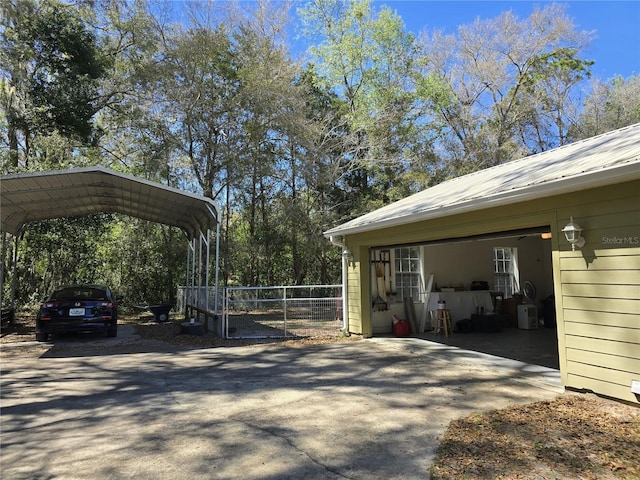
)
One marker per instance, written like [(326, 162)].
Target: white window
[(505, 271), (407, 272)]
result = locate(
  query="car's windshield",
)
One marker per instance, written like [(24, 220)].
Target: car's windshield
[(82, 293)]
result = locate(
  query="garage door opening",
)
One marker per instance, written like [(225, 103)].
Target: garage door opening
[(498, 288)]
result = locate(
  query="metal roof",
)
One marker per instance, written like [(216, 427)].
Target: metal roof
[(606, 159), (30, 197)]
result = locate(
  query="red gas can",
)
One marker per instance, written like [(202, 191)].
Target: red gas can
[(401, 327)]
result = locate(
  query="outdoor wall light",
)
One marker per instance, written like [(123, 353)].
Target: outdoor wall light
[(572, 232)]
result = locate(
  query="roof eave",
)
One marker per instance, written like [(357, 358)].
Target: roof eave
[(601, 178)]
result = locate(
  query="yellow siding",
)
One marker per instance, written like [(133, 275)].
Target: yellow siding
[(598, 264), (601, 318), (600, 304), (614, 277), (600, 288), (601, 385), (618, 334), (602, 360), (624, 291), (610, 375), (607, 347)]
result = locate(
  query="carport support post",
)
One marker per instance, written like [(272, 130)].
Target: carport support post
[(191, 279), (14, 277), (199, 295), (207, 241), (199, 264), (4, 254), (204, 260), (215, 304), (188, 292)]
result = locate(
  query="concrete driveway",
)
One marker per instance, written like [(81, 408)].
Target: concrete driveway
[(360, 410)]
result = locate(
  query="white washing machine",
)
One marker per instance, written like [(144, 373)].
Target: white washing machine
[(527, 317)]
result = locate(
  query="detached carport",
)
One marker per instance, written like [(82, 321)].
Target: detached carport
[(32, 197)]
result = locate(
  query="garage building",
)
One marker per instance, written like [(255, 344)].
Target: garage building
[(505, 229)]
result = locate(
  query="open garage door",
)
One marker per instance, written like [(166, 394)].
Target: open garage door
[(498, 288)]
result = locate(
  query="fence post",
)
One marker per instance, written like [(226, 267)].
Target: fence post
[(284, 307), (225, 321)]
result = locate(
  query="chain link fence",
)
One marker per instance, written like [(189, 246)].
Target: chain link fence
[(282, 312)]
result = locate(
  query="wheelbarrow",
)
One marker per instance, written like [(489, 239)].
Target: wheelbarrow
[(160, 312)]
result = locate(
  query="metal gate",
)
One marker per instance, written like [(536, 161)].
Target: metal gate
[(282, 312)]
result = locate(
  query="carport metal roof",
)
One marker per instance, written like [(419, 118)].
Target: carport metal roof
[(30, 197)]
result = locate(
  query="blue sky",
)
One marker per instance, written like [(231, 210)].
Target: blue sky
[(616, 48), (616, 24)]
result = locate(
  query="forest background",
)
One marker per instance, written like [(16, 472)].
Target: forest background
[(288, 145)]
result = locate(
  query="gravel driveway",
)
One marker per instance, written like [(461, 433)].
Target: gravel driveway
[(133, 409)]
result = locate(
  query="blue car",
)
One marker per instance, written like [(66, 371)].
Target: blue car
[(78, 308)]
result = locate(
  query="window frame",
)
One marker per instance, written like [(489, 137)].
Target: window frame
[(407, 264), (506, 275)]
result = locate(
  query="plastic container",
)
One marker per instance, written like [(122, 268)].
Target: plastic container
[(401, 327)]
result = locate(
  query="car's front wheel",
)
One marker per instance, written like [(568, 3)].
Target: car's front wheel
[(41, 337)]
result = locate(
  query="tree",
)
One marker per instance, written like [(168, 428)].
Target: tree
[(611, 105), (51, 67), (368, 60), (60, 251), (276, 127), (549, 90), (506, 82)]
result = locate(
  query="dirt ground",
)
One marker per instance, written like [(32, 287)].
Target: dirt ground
[(573, 437), (577, 436)]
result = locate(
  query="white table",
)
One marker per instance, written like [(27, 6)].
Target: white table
[(462, 304)]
